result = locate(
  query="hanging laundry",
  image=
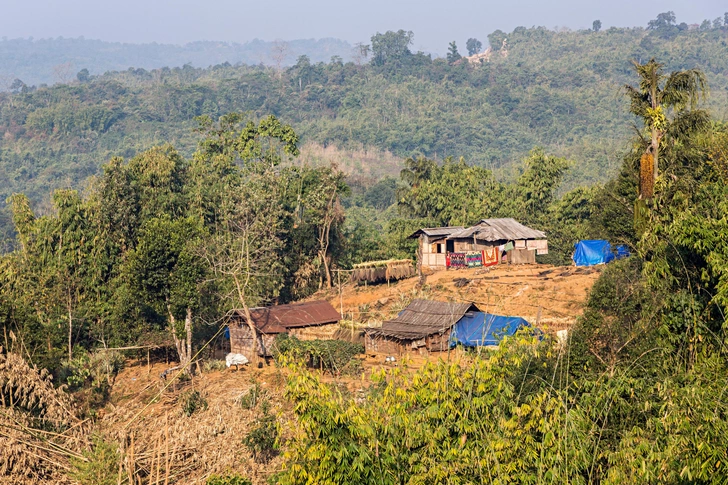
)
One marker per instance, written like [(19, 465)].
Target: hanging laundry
[(509, 246), (491, 256), (474, 259), (457, 260)]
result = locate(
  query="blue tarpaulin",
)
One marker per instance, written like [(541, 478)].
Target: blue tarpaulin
[(591, 252), (622, 251), (478, 328)]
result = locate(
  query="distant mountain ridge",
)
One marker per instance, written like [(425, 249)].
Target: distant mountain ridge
[(48, 61)]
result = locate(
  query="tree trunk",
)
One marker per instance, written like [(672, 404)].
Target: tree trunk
[(249, 320), (421, 277), (183, 346), (70, 328), (188, 334), (254, 333)]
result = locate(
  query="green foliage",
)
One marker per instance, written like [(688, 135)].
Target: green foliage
[(253, 396), (452, 53), (543, 93), (473, 45), (229, 479), (335, 356), (192, 401), (462, 421), (100, 465), (262, 439), (391, 47)]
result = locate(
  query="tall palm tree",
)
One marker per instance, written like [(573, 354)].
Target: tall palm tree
[(668, 106)]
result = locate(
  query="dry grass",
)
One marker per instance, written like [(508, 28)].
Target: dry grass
[(189, 449), (39, 430)]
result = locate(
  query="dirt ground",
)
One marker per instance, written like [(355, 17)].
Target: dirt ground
[(550, 296)]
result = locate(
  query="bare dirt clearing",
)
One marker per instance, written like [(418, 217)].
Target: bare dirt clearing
[(558, 293)]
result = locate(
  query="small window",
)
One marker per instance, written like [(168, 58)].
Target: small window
[(440, 248)]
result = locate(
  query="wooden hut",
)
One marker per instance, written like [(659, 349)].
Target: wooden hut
[(306, 321), (483, 242), (434, 245), (424, 326)]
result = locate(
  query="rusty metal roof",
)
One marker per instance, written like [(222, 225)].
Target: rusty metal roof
[(436, 231), (280, 318), (491, 230), (424, 317)]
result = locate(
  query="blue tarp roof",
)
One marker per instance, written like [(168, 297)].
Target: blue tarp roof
[(591, 252), (478, 328)]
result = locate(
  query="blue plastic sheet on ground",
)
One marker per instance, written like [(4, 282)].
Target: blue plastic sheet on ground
[(622, 251), (591, 252), (478, 328)]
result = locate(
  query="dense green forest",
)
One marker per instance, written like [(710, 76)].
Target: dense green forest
[(557, 90), (164, 241), (49, 61)]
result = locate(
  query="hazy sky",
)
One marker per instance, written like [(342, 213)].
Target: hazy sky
[(435, 23)]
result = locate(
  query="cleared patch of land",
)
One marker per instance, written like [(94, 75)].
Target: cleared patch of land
[(552, 296)]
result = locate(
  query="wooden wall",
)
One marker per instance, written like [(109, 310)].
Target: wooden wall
[(430, 257), (396, 347), (241, 342)]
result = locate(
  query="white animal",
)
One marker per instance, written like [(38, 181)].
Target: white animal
[(235, 360)]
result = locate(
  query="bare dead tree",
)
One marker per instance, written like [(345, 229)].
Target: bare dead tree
[(244, 259), (279, 50), (63, 73)]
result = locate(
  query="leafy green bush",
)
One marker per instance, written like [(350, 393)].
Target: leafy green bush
[(262, 439), (233, 479), (335, 356), (100, 465), (213, 365), (193, 401), (97, 369)]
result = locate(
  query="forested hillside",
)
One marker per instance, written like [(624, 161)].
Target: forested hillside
[(558, 90)]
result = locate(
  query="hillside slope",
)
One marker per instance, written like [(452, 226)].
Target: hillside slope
[(553, 296)]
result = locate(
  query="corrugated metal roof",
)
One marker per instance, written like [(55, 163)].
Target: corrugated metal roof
[(506, 229), (424, 317), (436, 231), (279, 318)]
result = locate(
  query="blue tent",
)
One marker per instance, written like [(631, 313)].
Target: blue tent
[(591, 252), (478, 328)]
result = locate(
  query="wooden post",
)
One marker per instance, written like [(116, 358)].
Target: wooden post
[(166, 454), (341, 297)]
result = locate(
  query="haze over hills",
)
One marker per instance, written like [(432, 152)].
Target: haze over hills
[(48, 61)]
